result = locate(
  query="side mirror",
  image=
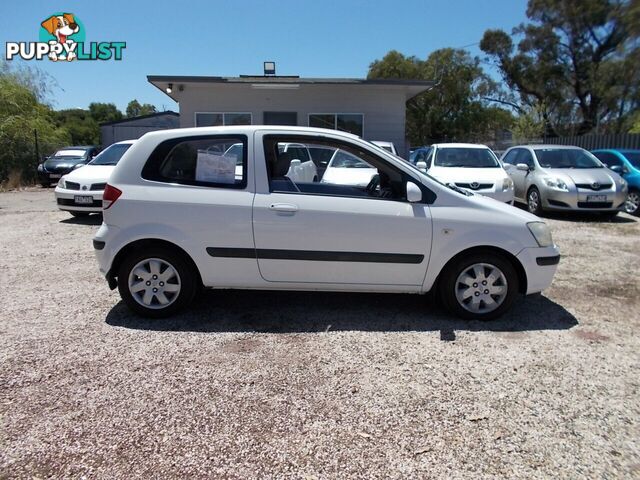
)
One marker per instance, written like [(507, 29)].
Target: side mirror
[(522, 166), (295, 163), (616, 168), (414, 194), (422, 166)]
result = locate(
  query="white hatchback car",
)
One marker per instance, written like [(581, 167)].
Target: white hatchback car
[(176, 219), (80, 191), (470, 166)]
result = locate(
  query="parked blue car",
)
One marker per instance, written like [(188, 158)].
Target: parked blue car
[(625, 163)]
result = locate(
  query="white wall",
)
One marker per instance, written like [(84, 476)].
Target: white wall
[(383, 107)]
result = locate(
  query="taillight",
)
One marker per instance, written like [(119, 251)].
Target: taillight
[(110, 195)]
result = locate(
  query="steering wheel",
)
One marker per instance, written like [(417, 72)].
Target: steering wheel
[(373, 185)]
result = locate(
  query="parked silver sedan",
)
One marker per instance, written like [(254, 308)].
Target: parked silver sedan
[(561, 178)]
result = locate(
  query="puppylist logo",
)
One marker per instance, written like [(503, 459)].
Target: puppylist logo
[(62, 38)]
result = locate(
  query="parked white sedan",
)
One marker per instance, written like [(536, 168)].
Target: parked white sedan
[(80, 192), (176, 220), (347, 169), (470, 166)]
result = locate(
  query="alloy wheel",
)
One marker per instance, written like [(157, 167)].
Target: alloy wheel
[(632, 203), (533, 200), (154, 283), (481, 288)]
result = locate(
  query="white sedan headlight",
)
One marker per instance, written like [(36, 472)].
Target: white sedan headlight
[(541, 233), (507, 184), (61, 183), (556, 183)]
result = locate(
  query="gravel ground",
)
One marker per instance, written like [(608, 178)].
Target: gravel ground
[(279, 385)]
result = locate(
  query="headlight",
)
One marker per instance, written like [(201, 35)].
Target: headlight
[(61, 183), (622, 183), (556, 183), (507, 184), (40, 167), (541, 233)]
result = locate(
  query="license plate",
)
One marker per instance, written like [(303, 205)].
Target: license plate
[(55, 175), (596, 198), (85, 199)]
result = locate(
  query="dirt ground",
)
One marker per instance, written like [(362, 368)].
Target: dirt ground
[(296, 385)]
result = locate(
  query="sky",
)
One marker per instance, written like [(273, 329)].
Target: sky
[(310, 38)]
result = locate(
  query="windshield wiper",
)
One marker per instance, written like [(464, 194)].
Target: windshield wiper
[(455, 188)]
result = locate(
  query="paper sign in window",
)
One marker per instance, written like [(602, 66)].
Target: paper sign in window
[(215, 168)]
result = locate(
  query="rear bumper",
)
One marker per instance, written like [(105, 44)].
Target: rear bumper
[(540, 265)]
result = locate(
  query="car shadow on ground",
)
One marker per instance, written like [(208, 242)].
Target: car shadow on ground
[(575, 216), (93, 219), (304, 312)]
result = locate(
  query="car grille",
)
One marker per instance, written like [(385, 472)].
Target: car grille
[(589, 186), (70, 202), (475, 186), (595, 204), (98, 186), (72, 185)]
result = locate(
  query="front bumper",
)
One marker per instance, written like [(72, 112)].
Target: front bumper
[(504, 196), (66, 200), (45, 176), (540, 265), (577, 200)]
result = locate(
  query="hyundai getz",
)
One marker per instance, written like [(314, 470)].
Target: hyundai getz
[(181, 212)]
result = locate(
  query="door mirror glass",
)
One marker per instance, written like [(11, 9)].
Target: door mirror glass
[(414, 194), (295, 163), (422, 166), (523, 166), (616, 168)]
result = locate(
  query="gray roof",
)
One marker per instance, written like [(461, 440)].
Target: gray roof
[(411, 87)]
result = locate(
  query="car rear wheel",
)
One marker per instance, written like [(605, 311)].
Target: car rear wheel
[(157, 282), (632, 204), (479, 286), (534, 201)]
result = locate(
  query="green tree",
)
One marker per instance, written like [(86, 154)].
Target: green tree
[(134, 109), (82, 127), (577, 63), (454, 108), (22, 116), (104, 112)]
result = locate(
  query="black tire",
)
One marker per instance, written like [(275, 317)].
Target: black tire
[(188, 281), (628, 207), (447, 285), (534, 207), (80, 214)]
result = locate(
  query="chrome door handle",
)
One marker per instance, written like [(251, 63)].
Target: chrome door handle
[(284, 207)]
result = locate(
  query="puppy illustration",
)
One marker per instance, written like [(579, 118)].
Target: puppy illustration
[(61, 26)]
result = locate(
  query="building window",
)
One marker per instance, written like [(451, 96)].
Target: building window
[(218, 119), (346, 122)]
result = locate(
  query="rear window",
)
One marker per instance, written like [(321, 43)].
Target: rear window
[(211, 161)]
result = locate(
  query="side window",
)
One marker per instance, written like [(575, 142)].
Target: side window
[(510, 157), (609, 159), (211, 161), (350, 171), (526, 158)]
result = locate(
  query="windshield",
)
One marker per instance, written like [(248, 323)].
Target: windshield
[(111, 155), (633, 157), (70, 153), (466, 157), (342, 159), (566, 158)]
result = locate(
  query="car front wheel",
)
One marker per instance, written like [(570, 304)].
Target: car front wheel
[(479, 286), (534, 201), (632, 204), (156, 282)]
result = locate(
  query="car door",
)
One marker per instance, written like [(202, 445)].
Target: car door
[(315, 233)]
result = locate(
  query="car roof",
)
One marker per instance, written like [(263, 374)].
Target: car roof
[(247, 129), (621, 150), (124, 142), (78, 147), (458, 145), (548, 146)]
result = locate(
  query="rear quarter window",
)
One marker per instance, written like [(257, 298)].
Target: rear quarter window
[(209, 161)]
